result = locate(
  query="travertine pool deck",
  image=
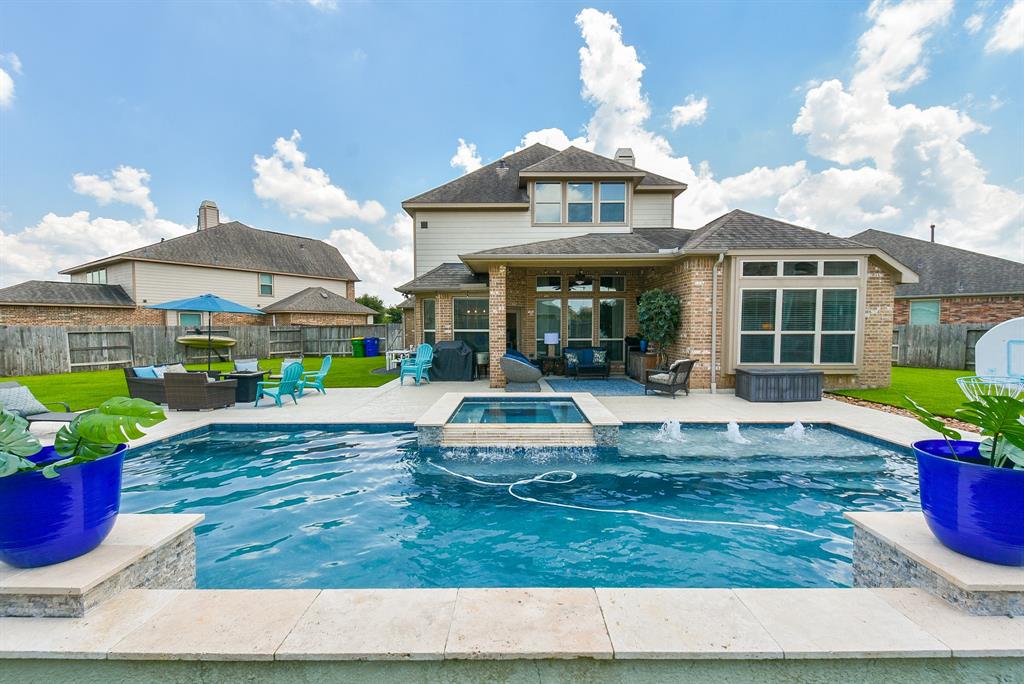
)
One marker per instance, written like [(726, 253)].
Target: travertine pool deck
[(540, 634)]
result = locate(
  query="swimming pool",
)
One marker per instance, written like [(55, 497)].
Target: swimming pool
[(337, 507), (491, 410)]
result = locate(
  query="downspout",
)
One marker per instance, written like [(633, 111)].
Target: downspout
[(714, 322)]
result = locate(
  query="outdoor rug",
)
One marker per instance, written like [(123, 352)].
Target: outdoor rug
[(613, 387)]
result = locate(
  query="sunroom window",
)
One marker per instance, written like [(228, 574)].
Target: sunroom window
[(798, 326)]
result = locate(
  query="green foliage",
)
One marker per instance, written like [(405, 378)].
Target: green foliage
[(658, 318), (16, 442), (90, 436), (998, 419), (372, 301)]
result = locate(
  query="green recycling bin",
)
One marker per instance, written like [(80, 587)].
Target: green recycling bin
[(358, 347)]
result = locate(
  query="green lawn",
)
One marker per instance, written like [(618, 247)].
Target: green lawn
[(934, 389), (88, 389)]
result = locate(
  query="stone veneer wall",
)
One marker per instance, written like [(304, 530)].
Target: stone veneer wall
[(986, 309)]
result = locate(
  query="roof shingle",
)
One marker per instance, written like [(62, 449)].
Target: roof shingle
[(450, 276), (66, 294), (945, 270), (488, 184), (317, 300), (236, 245), (741, 229)]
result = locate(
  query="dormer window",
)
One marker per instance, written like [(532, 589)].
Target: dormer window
[(580, 197), (579, 202), (548, 202)]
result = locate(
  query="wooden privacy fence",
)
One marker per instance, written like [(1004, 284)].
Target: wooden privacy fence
[(43, 350), (947, 345)]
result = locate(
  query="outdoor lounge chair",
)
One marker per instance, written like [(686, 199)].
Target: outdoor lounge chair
[(247, 365), (670, 381), (65, 416), (285, 362), (195, 392), (417, 366), (518, 369), (315, 379), (288, 386)]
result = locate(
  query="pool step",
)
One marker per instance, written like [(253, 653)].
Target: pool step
[(571, 435)]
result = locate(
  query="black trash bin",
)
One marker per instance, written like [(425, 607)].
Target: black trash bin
[(453, 360)]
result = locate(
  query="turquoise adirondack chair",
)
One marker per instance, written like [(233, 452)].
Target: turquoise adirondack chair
[(417, 366), (288, 386), (315, 379)]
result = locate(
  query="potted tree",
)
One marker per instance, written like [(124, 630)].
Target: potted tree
[(972, 493), (658, 319), (59, 502)]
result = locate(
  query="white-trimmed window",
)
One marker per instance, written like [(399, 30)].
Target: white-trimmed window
[(798, 325), (614, 283), (429, 321), (579, 202), (549, 283), (801, 268), (925, 311), (98, 277), (190, 320), (612, 327), (547, 202), (266, 284), (472, 322), (613, 202), (549, 320), (581, 322)]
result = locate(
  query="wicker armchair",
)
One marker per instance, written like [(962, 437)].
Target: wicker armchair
[(194, 392), (150, 389), (675, 379)]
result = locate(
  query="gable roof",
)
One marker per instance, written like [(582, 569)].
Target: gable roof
[(742, 230), (576, 160), (408, 303), (487, 185), (641, 241), (450, 276), (946, 270), (238, 246), (59, 293), (317, 300)]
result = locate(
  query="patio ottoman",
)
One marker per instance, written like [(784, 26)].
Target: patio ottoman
[(778, 384)]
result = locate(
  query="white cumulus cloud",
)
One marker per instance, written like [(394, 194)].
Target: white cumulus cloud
[(379, 268), (284, 179), (974, 23), (126, 185), (1008, 34), (466, 157), (692, 111), (9, 64)]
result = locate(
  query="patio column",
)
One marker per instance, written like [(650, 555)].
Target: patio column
[(497, 287)]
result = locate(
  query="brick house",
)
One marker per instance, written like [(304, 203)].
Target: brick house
[(297, 279), (543, 241), (955, 285)]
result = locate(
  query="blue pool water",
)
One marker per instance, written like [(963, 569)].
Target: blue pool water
[(517, 410), (364, 508)]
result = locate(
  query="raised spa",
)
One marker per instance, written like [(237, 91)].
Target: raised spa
[(491, 410)]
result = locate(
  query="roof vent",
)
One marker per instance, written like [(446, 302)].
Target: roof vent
[(209, 215), (501, 168), (323, 294), (624, 155)]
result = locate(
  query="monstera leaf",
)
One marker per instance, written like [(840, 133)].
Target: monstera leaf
[(16, 442), (97, 433), (930, 420), (999, 420)]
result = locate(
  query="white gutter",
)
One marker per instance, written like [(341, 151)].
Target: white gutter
[(714, 322)]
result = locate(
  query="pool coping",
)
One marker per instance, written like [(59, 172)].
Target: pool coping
[(595, 413)]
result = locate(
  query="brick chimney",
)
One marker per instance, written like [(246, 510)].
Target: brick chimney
[(624, 155), (209, 215)]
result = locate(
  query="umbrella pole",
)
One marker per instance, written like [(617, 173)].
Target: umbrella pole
[(209, 340)]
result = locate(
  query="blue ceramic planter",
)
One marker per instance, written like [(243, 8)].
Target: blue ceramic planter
[(971, 508), (45, 521)]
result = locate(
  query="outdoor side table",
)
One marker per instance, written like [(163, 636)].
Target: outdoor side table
[(245, 390), (552, 365)]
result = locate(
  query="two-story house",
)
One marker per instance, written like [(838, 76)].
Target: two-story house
[(295, 280), (543, 241)]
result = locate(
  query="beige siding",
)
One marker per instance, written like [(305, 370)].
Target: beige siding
[(156, 283), (117, 274), (451, 233), (652, 210)]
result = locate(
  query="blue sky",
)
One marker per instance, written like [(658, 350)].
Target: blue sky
[(841, 116)]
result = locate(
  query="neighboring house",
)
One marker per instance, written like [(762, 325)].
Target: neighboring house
[(546, 241), (955, 285), (257, 268)]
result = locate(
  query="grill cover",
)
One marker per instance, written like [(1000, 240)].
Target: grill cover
[(453, 360)]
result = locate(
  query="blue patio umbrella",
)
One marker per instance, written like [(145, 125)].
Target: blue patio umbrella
[(211, 304)]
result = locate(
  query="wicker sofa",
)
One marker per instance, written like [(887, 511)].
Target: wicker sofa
[(195, 392), (150, 389)]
